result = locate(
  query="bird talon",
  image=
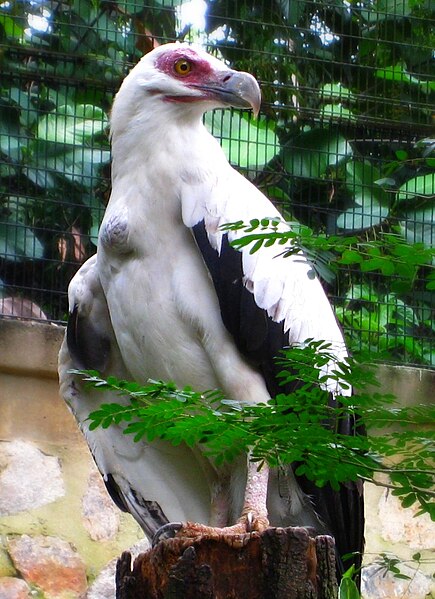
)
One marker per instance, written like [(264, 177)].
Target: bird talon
[(237, 541), (167, 531), (249, 521)]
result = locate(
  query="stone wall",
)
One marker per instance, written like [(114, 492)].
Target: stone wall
[(391, 530), (58, 527), (60, 532)]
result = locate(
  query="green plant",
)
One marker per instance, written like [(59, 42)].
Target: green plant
[(380, 276), (291, 427), (348, 589)]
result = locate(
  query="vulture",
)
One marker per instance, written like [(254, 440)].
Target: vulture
[(168, 297)]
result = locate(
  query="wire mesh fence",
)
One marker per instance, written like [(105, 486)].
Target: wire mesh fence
[(344, 143)]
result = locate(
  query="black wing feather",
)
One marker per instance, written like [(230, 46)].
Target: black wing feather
[(258, 338), (88, 348), (149, 514)]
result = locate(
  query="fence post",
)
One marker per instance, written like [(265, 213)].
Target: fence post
[(280, 563)]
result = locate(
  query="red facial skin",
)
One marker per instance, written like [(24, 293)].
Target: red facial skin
[(200, 72)]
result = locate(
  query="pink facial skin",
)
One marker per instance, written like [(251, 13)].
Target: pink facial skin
[(200, 72)]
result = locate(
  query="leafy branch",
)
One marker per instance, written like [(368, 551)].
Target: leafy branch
[(300, 427), (377, 275), (389, 253)]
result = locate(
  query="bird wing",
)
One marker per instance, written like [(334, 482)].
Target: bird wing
[(155, 481), (269, 302)]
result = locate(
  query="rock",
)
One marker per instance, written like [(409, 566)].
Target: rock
[(51, 564), (21, 307), (100, 515), (28, 478), (104, 585), (14, 588), (400, 525), (376, 583)]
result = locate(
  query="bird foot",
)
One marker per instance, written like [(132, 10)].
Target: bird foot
[(248, 526)]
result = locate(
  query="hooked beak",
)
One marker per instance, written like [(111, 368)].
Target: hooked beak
[(234, 88)]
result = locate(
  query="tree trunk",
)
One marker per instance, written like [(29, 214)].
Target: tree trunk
[(280, 563)]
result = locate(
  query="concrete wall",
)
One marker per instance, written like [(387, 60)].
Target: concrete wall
[(58, 527)]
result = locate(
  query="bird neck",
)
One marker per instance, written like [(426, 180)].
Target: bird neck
[(164, 150)]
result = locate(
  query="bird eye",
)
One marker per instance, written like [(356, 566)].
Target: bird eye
[(182, 67)]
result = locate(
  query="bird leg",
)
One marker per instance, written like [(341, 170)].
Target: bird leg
[(252, 521), (254, 511)]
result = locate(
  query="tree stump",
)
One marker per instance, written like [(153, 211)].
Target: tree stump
[(280, 563)]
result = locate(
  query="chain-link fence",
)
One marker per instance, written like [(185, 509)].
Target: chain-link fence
[(344, 142)]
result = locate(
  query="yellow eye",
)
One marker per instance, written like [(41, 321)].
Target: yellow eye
[(182, 67)]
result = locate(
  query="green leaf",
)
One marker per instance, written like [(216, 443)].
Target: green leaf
[(333, 112), (348, 589), (336, 91), (12, 138), (423, 185), (40, 177), (388, 267), (385, 182), (350, 257), (256, 246), (169, 3), (18, 242), (11, 28), (370, 202), (419, 226), (372, 264), (246, 142), (399, 74), (361, 217), (72, 124), (401, 154), (386, 9), (361, 179), (311, 153), (79, 165), (8, 171), (132, 7)]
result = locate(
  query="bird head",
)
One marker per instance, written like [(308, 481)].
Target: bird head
[(186, 79)]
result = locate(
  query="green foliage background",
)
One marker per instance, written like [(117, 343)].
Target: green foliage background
[(345, 142)]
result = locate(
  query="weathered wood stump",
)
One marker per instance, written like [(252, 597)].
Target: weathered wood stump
[(280, 563)]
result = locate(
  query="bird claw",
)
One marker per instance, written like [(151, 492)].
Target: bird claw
[(253, 522), (237, 536), (241, 540), (167, 531), (249, 522)]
